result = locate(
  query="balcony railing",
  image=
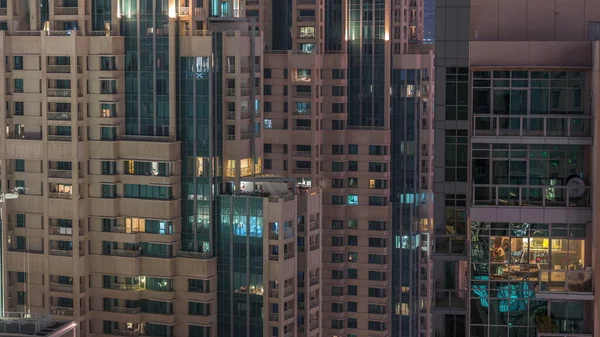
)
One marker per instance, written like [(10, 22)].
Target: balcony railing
[(59, 138), (59, 116), (117, 229), (63, 288), (305, 19), (60, 252), (532, 126), (273, 257), (314, 225), (126, 310), (302, 153), (54, 92), (144, 138), (273, 316), (288, 291), (274, 235), (450, 299), (62, 311), (65, 11), (60, 195), (288, 255), (54, 173), (184, 11), (314, 246), (450, 244), (531, 195), (123, 332), (288, 314), (123, 286), (57, 230), (273, 293), (194, 255), (313, 325), (3, 11), (580, 281), (58, 68), (125, 252), (314, 280), (313, 303)]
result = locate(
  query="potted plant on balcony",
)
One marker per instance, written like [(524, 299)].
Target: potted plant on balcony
[(545, 324)]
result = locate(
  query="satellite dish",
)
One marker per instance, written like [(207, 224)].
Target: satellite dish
[(575, 186)]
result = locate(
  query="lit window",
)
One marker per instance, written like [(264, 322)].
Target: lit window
[(352, 199), (267, 123)]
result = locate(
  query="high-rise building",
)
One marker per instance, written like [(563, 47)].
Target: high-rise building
[(218, 168), (516, 161)]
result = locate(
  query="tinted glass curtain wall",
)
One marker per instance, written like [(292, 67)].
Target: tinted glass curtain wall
[(405, 112), (145, 25), (366, 55)]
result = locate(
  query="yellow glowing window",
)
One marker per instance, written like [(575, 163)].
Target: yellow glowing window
[(199, 167), (371, 183), (135, 225), (130, 167), (230, 171)]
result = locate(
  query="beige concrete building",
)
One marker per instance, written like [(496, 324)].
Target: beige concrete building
[(217, 168)]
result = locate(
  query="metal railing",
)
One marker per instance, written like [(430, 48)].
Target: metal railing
[(194, 255), (125, 252), (60, 252), (60, 195), (273, 257), (123, 332), (184, 11), (580, 281), (288, 314), (274, 293), (305, 19), (58, 69), (314, 246), (63, 288), (313, 325), (144, 138), (54, 173), (126, 310), (274, 235), (532, 125), (288, 291), (59, 116), (62, 311), (273, 316), (59, 138), (117, 229), (123, 286), (288, 255), (65, 10), (314, 280), (54, 92), (531, 195)]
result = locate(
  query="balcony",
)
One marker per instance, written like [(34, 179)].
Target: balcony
[(313, 325), (126, 310), (273, 316), (273, 257), (273, 293), (288, 291), (60, 195), (314, 246), (58, 68), (65, 288), (557, 283), (123, 332), (55, 92), (532, 126), (288, 255), (65, 174), (302, 112), (125, 252), (450, 299), (123, 286), (531, 195), (65, 10), (59, 138), (3, 11), (314, 225), (61, 311), (194, 255), (274, 235), (314, 303), (59, 116), (60, 252), (288, 314), (301, 170), (302, 153), (117, 229), (184, 11), (314, 280), (67, 231), (305, 19)]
